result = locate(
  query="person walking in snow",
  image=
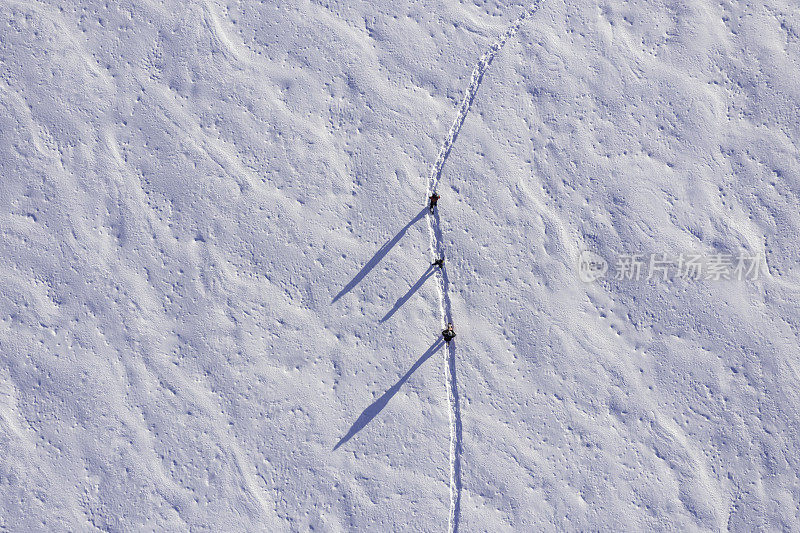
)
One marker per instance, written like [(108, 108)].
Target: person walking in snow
[(449, 334), (434, 198), (438, 263)]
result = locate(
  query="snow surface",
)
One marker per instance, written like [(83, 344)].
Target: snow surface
[(217, 311)]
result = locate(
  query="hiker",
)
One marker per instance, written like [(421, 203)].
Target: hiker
[(434, 198), (449, 334), (438, 263)]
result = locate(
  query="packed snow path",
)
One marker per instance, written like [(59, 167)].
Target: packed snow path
[(475, 81), (437, 251)]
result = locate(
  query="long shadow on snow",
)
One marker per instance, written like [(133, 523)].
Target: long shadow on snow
[(380, 254), (377, 406), (414, 288)]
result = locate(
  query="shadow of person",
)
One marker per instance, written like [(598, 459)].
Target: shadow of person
[(377, 406), (379, 255), (414, 288)]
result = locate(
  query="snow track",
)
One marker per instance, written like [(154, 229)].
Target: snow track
[(437, 251), (475, 81)]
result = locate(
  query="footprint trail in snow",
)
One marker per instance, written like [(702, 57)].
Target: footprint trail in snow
[(437, 251)]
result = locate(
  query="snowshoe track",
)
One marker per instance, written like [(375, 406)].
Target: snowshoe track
[(437, 251)]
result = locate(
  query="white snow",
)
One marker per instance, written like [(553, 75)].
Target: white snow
[(217, 311)]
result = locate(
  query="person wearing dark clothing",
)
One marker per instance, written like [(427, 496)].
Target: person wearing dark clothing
[(434, 198), (438, 263), (449, 334)]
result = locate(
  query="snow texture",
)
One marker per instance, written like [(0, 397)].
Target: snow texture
[(218, 311)]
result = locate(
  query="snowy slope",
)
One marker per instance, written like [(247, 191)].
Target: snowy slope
[(216, 308)]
